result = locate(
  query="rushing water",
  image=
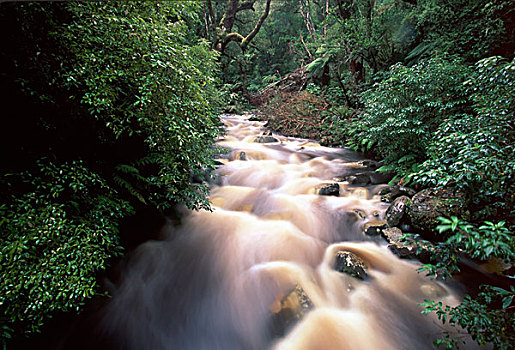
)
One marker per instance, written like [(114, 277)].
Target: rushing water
[(219, 279)]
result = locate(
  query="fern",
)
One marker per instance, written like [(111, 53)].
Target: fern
[(129, 187)]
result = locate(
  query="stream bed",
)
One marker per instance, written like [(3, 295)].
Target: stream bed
[(263, 269)]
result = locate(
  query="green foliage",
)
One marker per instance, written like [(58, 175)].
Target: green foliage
[(375, 32), (147, 81), (473, 29), (489, 240), (116, 108), (402, 111), (55, 237), (475, 153), (487, 317)]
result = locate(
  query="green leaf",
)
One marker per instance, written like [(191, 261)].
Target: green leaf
[(506, 301)]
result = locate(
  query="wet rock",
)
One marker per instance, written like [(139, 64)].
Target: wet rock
[(360, 179), (242, 156), (265, 139), (380, 177), (375, 227), (288, 310), (360, 214), (427, 205), (368, 177), (395, 212), (391, 234), (406, 250), (351, 264), (390, 193), (329, 190), (371, 164)]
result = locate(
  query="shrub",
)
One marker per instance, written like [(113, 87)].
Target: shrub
[(115, 108), (402, 111), (487, 316), (56, 236), (475, 152), (147, 81)]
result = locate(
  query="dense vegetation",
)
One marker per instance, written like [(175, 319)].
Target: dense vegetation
[(110, 109)]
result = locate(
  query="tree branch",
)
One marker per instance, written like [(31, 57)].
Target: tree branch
[(256, 29)]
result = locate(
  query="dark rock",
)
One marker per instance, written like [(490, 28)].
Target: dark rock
[(391, 234), (371, 164), (368, 177), (374, 228), (329, 190), (360, 179), (288, 310), (427, 205), (396, 211), (266, 139), (360, 214), (406, 250), (390, 193), (410, 250), (242, 156), (351, 264), (380, 177)]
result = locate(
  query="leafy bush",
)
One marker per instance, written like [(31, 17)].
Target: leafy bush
[(473, 29), (122, 98), (55, 237), (490, 240), (475, 152), (147, 81), (402, 111), (487, 316)]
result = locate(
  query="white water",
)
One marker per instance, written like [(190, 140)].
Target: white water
[(214, 282)]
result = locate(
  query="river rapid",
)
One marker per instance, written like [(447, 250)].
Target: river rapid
[(226, 279)]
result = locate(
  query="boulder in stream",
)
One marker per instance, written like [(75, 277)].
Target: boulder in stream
[(427, 205), (368, 163), (265, 139), (328, 190), (288, 310), (406, 250), (351, 264), (374, 227), (369, 177), (360, 179), (390, 193), (380, 177), (395, 212)]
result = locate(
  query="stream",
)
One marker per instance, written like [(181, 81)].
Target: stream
[(258, 272)]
